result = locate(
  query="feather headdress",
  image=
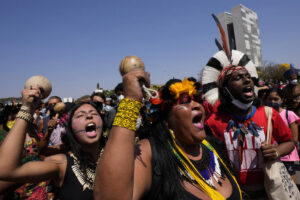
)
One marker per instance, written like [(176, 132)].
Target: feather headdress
[(218, 62)]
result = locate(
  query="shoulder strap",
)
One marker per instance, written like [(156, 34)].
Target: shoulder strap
[(268, 111)]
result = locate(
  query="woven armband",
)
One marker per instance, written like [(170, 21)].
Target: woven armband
[(22, 114), (128, 112)]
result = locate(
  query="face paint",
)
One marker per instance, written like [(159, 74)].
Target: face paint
[(183, 99), (84, 131), (180, 107)]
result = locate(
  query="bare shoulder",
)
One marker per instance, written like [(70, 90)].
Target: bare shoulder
[(57, 159), (60, 161), (143, 148)]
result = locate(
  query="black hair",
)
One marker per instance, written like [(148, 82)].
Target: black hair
[(118, 88), (114, 100), (55, 97), (192, 79), (73, 145), (69, 106), (277, 90), (99, 94), (4, 115), (289, 89), (170, 183), (288, 96)]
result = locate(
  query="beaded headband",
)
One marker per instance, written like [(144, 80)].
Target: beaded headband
[(227, 71)]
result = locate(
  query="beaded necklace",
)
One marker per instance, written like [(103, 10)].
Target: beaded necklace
[(209, 167), (189, 171), (240, 131), (85, 179)]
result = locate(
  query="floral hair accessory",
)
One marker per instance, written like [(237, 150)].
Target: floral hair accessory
[(157, 100), (185, 86), (63, 119), (183, 91)]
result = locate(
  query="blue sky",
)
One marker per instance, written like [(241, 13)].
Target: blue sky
[(76, 44)]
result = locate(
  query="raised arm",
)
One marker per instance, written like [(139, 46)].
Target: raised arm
[(119, 173), (12, 147)]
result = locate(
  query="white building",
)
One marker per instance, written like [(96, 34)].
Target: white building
[(242, 32)]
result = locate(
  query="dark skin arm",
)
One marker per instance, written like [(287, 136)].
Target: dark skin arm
[(269, 150), (119, 173), (12, 148)]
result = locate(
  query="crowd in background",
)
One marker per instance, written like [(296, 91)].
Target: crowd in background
[(47, 134)]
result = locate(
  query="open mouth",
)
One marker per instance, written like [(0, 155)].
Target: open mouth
[(248, 91), (197, 121), (90, 130)]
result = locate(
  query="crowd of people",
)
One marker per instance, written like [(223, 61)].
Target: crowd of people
[(193, 140)]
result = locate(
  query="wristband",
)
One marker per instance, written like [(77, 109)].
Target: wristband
[(277, 154), (128, 112), (22, 114)]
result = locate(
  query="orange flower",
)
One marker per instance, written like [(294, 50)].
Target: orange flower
[(185, 86)]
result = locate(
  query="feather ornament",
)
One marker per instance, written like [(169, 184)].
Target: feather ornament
[(253, 130), (230, 124), (256, 126), (219, 45), (236, 134), (223, 37)]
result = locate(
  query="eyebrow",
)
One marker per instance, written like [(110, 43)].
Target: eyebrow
[(82, 111)]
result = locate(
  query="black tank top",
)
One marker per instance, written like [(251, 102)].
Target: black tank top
[(71, 188), (155, 190)]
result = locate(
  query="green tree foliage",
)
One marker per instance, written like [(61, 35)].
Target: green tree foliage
[(272, 72), (107, 93)]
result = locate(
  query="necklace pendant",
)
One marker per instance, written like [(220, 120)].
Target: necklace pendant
[(234, 129), (84, 187), (243, 130)]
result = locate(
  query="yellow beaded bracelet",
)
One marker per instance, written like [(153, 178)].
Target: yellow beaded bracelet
[(128, 112)]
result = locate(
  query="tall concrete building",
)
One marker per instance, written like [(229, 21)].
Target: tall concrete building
[(242, 32)]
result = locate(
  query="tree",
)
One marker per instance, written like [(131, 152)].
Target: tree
[(271, 72), (107, 93)]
